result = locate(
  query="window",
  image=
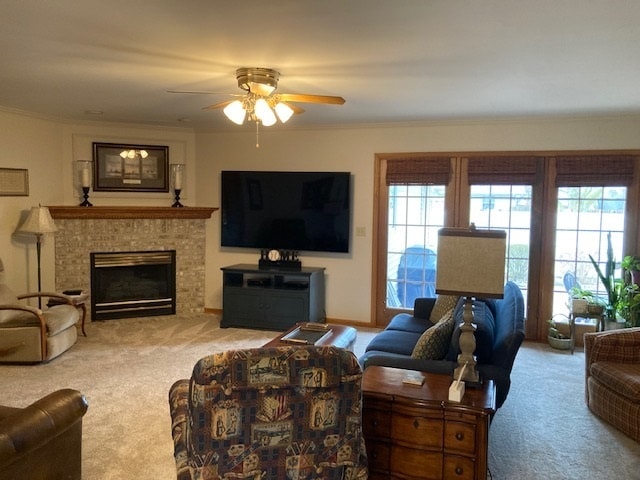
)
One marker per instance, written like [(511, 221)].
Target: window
[(556, 208), (506, 207), (416, 213)]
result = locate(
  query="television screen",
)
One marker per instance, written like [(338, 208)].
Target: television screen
[(301, 211)]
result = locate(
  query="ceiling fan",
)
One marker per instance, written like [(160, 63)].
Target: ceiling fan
[(261, 103)]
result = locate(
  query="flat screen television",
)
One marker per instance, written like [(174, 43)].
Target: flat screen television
[(300, 211)]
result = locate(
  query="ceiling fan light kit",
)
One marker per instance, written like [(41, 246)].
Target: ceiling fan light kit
[(261, 81), (261, 104)]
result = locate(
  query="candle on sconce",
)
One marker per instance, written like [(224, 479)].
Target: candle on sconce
[(86, 175), (177, 180)]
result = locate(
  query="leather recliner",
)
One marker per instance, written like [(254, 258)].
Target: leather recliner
[(43, 441)]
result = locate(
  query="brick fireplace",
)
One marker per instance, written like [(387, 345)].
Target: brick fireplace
[(85, 230)]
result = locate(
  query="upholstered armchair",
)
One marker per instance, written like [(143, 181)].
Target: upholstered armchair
[(43, 441), (271, 413), (612, 388), (29, 334)]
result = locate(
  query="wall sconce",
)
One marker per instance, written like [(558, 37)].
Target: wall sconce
[(471, 265), (83, 171), (177, 180)]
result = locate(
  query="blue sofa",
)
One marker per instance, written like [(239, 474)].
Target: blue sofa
[(499, 334)]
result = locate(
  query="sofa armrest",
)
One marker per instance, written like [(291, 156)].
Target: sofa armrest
[(619, 346), (422, 307), (58, 296), (25, 433), (179, 410)]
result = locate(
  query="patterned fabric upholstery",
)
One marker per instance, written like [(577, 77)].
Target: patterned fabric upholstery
[(270, 413), (612, 388)]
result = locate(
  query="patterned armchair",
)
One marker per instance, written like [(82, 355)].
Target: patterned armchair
[(270, 413), (612, 388)]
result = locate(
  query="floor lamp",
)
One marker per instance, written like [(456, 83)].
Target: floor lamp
[(38, 223), (470, 264)]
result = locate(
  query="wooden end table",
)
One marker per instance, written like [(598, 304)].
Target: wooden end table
[(415, 432)]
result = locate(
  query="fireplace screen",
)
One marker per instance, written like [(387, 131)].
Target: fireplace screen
[(133, 284)]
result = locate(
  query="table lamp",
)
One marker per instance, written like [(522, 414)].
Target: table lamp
[(470, 264)]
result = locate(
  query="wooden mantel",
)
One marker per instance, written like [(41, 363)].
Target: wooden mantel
[(127, 212)]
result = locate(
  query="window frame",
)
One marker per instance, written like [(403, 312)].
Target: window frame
[(501, 167)]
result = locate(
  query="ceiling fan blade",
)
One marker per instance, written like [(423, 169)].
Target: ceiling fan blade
[(200, 92), (218, 105), (295, 108), (306, 98)]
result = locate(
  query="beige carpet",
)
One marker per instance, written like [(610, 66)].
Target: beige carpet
[(125, 368)]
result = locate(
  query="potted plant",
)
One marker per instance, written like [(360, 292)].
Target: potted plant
[(555, 337), (628, 307), (631, 265), (611, 285)]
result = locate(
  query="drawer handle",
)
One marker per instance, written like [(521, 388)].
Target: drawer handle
[(416, 424), (459, 436), (459, 470), (375, 423)]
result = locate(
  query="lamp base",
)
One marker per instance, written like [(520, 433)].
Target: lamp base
[(466, 369)]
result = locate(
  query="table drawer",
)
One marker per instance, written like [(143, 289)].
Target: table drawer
[(418, 431), (460, 437), (378, 455), (459, 468), (412, 463), (376, 418)]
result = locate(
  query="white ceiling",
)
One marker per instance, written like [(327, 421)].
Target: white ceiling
[(393, 61)]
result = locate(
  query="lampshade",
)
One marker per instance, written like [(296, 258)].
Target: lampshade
[(284, 112), (471, 262), (264, 112), (235, 112), (38, 222)]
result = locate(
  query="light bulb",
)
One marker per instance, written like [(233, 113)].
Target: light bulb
[(144, 154), (284, 112), (264, 112), (235, 112)]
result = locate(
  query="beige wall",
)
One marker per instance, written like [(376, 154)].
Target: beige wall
[(48, 147), (352, 149)]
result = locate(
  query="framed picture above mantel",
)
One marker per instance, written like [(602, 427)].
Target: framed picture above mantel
[(130, 168)]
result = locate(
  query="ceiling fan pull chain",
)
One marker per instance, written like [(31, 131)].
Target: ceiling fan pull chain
[(257, 133)]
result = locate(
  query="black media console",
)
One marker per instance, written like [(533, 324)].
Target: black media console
[(272, 299)]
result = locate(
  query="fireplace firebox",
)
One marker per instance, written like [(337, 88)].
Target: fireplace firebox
[(133, 284)]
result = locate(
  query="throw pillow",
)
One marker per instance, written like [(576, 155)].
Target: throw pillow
[(443, 304), (434, 342)]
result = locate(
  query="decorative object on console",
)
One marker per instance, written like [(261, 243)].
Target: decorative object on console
[(130, 168), (470, 264), (38, 223), (177, 179), (84, 177), (282, 259)]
